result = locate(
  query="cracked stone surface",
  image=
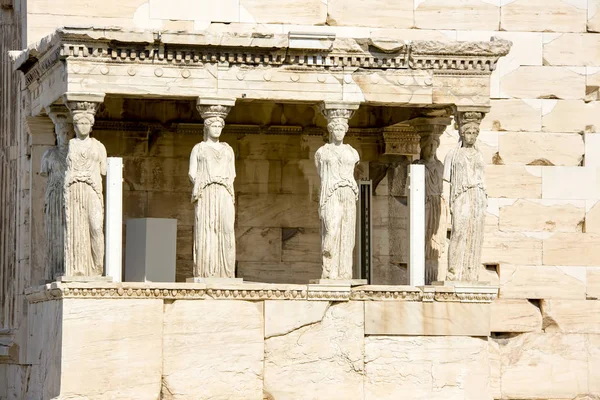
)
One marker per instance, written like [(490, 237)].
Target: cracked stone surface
[(433, 368), (283, 317), (213, 350), (319, 360)]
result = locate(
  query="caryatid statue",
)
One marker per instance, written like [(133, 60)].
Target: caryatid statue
[(464, 169), (436, 210), (84, 204), (212, 172), (335, 163), (54, 166)]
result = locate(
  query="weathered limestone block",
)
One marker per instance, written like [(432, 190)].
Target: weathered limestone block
[(593, 16), (514, 181), (426, 318), (542, 282), (388, 271), (570, 116), (272, 147), (433, 368), (312, 12), (540, 148), (544, 15), (557, 363), (515, 316), (170, 205), (257, 176), (279, 272), (572, 249), (43, 353), (460, 14), (581, 49), (220, 341), (542, 216), (300, 177), (283, 317), (277, 210), (325, 357), (592, 148), (593, 283), (543, 82), (226, 11), (514, 115), (526, 50), (511, 248), (571, 316), (571, 183), (415, 34), (79, 346), (258, 244), (593, 343), (375, 13), (301, 245)]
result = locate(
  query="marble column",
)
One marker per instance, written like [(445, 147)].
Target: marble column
[(212, 172), (436, 211), (84, 203), (54, 167), (335, 162), (464, 170)]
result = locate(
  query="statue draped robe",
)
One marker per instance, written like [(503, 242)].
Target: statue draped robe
[(212, 171), (84, 208), (464, 169), (54, 166), (337, 208)]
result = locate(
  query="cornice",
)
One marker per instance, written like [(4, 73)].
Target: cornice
[(257, 50)]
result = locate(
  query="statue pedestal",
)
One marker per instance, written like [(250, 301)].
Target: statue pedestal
[(95, 279), (215, 281), (339, 282)]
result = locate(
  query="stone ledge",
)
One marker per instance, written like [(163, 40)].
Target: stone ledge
[(258, 292)]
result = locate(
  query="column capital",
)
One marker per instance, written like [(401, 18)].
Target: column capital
[(80, 102), (338, 109), (469, 119), (400, 140), (214, 106)]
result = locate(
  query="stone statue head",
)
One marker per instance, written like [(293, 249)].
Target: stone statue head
[(468, 127), (213, 126), (63, 129), (337, 128), (468, 134), (82, 123), (429, 145)]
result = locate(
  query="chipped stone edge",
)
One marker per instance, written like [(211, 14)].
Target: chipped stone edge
[(258, 292)]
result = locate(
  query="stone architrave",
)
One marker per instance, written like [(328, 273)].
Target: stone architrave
[(436, 209), (335, 163), (464, 170), (212, 172), (54, 166), (84, 204)]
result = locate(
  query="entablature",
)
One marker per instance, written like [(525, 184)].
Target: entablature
[(295, 68)]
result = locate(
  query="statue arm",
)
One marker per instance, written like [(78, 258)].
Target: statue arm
[(231, 164), (448, 165), (193, 164), (103, 159)]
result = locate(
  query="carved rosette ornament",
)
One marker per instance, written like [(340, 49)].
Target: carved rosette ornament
[(212, 172), (464, 170), (429, 130), (54, 166), (335, 162), (84, 205)]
